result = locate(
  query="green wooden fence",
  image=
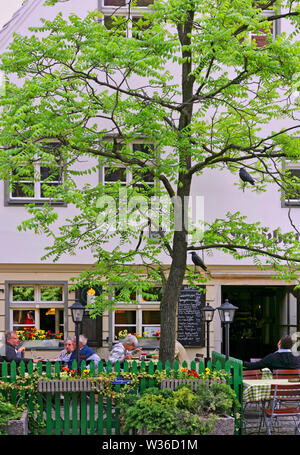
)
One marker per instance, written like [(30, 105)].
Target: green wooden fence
[(235, 368), (90, 412)]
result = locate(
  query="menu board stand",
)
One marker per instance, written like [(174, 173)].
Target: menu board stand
[(190, 332)]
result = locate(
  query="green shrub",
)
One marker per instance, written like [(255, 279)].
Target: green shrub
[(217, 399), (8, 412), (180, 412)]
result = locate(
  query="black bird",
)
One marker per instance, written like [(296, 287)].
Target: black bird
[(198, 261), (245, 176)]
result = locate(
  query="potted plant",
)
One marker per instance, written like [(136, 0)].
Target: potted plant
[(180, 412)]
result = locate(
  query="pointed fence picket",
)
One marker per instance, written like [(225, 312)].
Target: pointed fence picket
[(75, 407)]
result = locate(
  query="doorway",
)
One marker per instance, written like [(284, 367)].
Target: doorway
[(264, 315)]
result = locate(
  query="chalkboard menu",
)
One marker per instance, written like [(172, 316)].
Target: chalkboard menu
[(190, 320)]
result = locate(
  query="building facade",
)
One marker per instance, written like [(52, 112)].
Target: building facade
[(267, 308)]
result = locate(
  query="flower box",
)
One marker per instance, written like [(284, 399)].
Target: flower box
[(173, 383), (34, 344), (67, 385), (17, 427)]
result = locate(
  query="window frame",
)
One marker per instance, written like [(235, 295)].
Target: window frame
[(138, 308), (37, 184), (287, 203), (125, 10), (37, 304), (276, 30)]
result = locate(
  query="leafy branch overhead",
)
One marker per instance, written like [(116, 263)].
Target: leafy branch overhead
[(187, 80)]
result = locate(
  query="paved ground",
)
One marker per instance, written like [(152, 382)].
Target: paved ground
[(252, 423)]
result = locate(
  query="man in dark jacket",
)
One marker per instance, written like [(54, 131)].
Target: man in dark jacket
[(283, 359), (11, 351), (85, 352)]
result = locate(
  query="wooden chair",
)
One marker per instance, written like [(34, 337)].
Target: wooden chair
[(251, 374), (286, 374), (272, 414)]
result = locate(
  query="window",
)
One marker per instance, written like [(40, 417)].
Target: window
[(37, 182), (117, 173), (125, 18), (292, 197), (127, 25), (263, 38), (125, 320), (126, 3), (37, 305), (142, 318), (113, 175)]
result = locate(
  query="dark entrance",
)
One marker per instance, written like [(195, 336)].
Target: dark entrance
[(265, 313), (91, 328)]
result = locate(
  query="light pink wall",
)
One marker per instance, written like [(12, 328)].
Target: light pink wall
[(216, 186)]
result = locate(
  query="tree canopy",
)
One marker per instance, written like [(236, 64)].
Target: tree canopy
[(187, 80)]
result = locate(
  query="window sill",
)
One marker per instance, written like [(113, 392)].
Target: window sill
[(286, 204), (13, 202)]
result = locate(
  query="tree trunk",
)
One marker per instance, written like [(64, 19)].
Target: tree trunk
[(169, 302)]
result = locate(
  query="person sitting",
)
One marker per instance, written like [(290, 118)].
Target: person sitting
[(123, 350), (29, 320), (65, 354), (11, 351), (283, 358), (85, 352)]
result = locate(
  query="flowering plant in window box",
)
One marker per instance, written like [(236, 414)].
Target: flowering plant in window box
[(69, 373), (207, 375), (35, 334)]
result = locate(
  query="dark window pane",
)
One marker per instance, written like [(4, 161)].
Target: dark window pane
[(122, 294), (151, 317), (294, 193), (146, 177), (147, 149), (23, 190), (139, 24), (26, 317), (116, 23), (52, 174), (144, 2), (125, 317), (115, 175), (114, 3), (152, 295), (48, 190)]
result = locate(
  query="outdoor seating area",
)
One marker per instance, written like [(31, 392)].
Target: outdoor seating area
[(63, 401), (271, 401)]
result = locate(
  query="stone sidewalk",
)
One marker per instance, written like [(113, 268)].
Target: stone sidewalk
[(252, 423)]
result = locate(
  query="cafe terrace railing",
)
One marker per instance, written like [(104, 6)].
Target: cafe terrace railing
[(74, 406)]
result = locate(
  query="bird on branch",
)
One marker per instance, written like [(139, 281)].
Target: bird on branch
[(246, 177), (198, 261)]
